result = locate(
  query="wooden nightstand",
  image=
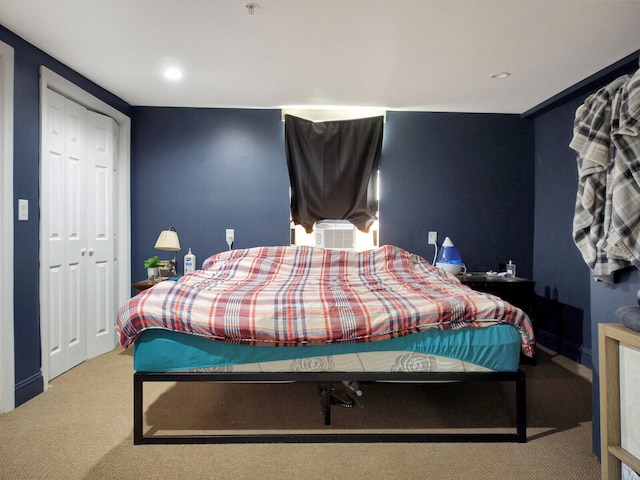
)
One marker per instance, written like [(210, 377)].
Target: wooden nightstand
[(142, 285), (515, 290)]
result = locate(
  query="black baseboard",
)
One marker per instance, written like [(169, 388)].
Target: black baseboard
[(564, 347), (29, 388), (561, 327)]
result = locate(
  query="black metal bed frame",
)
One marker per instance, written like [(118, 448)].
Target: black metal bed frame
[(139, 437)]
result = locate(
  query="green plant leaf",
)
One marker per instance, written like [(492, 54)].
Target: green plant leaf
[(152, 262)]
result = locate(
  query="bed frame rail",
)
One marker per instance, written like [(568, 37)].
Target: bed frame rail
[(518, 378)]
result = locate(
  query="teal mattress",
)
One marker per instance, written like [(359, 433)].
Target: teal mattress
[(495, 348)]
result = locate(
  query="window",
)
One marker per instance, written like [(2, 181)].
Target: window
[(338, 234), (333, 172)]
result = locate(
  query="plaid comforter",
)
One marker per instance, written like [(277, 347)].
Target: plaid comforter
[(295, 296)]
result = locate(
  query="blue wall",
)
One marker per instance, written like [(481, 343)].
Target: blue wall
[(221, 169), (203, 171), (562, 277), (466, 176), (28, 60), (572, 301)]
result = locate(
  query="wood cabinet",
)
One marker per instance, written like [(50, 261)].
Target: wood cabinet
[(515, 290), (610, 338), (142, 285)]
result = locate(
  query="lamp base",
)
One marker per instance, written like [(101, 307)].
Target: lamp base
[(174, 267)]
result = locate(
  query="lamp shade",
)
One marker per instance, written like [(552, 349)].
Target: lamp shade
[(168, 240), (449, 258)]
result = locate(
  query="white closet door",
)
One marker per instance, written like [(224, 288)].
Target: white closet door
[(100, 228), (63, 233), (77, 219)]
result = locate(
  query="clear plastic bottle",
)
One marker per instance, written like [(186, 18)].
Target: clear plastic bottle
[(511, 269), (189, 263)]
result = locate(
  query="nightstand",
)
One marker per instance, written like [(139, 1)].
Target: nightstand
[(142, 285), (517, 291)]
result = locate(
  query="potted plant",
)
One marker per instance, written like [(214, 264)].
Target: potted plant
[(152, 264)]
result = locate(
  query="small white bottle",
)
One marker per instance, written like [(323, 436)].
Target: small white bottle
[(189, 263), (511, 269)]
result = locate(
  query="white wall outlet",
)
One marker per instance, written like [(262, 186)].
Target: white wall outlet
[(433, 238), (23, 209), (230, 235)]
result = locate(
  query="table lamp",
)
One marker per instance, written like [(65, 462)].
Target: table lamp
[(168, 240)]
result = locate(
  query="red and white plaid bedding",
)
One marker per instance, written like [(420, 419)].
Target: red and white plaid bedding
[(295, 296)]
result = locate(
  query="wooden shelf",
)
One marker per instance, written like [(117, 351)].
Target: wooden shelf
[(610, 336)]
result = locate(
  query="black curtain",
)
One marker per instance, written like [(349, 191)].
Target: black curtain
[(333, 169)]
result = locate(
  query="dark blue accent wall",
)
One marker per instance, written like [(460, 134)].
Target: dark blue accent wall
[(562, 276), (203, 171), (28, 60), (572, 303), (466, 176)]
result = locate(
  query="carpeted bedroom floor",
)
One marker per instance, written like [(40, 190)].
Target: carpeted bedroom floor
[(81, 428)]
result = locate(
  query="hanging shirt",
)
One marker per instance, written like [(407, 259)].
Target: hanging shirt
[(622, 223), (592, 141)]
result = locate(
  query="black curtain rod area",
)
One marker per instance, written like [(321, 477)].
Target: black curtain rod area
[(627, 65)]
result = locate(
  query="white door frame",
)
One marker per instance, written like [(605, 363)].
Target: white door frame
[(7, 360), (53, 81)]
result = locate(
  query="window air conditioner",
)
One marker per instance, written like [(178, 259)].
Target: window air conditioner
[(335, 234)]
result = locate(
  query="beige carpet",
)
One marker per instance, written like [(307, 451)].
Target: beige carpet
[(82, 428)]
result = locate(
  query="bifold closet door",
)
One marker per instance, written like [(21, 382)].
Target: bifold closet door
[(77, 290), (100, 234)]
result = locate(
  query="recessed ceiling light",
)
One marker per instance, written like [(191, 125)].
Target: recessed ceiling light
[(173, 73), (501, 75)]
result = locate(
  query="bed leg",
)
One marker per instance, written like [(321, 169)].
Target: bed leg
[(521, 407), (327, 404), (138, 414)]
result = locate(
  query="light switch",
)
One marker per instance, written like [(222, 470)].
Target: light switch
[(23, 209)]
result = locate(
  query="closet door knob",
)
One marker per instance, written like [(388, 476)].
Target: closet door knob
[(91, 251), (83, 251)]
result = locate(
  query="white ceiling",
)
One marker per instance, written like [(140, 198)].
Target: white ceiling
[(426, 55)]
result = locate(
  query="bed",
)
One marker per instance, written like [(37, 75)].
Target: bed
[(305, 314)]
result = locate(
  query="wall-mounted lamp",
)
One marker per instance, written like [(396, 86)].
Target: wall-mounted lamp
[(168, 241)]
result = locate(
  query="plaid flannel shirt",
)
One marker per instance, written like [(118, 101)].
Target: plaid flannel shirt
[(622, 220), (592, 142)]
